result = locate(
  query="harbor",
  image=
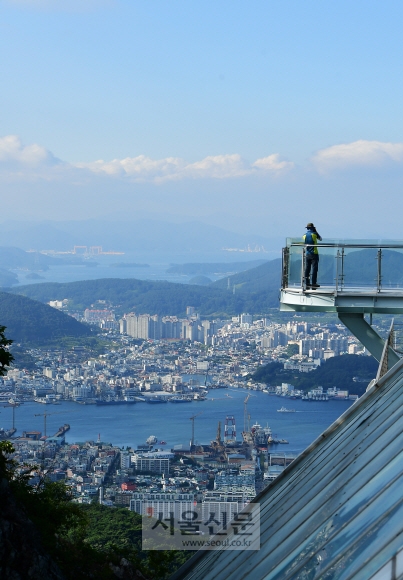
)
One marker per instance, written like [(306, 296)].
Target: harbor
[(131, 425)]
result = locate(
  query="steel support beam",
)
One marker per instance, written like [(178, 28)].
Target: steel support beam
[(357, 324)]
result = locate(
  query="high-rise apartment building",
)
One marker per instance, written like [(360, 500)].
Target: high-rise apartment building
[(154, 504), (156, 462)]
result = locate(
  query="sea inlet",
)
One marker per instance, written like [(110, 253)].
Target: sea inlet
[(130, 425)]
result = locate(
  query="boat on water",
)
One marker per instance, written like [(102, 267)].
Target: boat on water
[(114, 402), (261, 436), (14, 402), (152, 440), (181, 399), (155, 400), (199, 397), (275, 441), (285, 410), (43, 400)]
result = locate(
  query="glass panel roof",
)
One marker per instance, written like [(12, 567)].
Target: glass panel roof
[(337, 511)]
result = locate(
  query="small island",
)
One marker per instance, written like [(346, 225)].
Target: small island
[(34, 276), (128, 265)]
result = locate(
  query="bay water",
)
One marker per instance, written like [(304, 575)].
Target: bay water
[(130, 425), (150, 266)]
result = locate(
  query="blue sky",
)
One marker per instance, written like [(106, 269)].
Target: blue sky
[(258, 114)]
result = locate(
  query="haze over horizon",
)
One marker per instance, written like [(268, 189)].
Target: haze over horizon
[(254, 119)]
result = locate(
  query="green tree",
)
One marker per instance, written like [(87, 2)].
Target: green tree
[(6, 358), (338, 371), (292, 349), (84, 541)]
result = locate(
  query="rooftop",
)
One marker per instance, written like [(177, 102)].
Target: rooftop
[(337, 510)]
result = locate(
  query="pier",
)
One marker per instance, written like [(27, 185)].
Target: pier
[(62, 430)]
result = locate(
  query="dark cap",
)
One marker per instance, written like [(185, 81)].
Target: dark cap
[(310, 225)]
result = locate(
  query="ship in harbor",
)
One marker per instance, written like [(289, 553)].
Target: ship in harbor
[(152, 440), (199, 397), (43, 400), (262, 436), (285, 410), (125, 401), (181, 399), (155, 400), (316, 397)]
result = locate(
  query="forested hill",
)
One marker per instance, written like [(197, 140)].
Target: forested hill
[(209, 268), (29, 321), (338, 371), (263, 278), (164, 298)]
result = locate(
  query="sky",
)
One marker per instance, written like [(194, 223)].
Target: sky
[(256, 116)]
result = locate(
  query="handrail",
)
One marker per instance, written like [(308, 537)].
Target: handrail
[(342, 245), (346, 271)]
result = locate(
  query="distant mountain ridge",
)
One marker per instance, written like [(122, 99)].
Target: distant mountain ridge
[(159, 297), (208, 268), (264, 278), (12, 258), (360, 267), (148, 234), (255, 290)]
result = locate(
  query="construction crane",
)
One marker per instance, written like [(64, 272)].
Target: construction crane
[(229, 430), (192, 418), (218, 438), (45, 415), (13, 405), (246, 417)]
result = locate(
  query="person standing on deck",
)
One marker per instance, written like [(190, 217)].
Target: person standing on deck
[(311, 239)]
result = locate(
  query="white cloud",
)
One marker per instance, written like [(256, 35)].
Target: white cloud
[(27, 161), (144, 168), (218, 167), (13, 152), (32, 161), (141, 167), (358, 153), (273, 163)]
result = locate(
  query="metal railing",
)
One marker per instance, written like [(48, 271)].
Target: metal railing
[(344, 265)]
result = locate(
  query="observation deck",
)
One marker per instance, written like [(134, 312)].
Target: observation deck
[(356, 277)]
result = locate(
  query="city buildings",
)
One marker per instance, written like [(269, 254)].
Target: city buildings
[(165, 503), (154, 462)]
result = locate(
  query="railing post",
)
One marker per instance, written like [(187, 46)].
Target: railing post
[(342, 270), (303, 268), (286, 261), (379, 272), (340, 267), (337, 270)]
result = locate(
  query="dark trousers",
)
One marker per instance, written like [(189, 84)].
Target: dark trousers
[(311, 262)]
